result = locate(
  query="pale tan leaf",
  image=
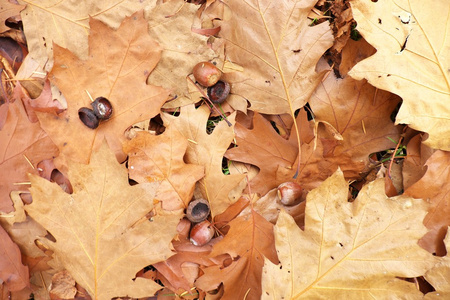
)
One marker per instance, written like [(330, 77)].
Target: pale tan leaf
[(439, 276)]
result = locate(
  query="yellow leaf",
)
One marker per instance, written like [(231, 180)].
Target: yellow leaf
[(349, 250), (103, 237)]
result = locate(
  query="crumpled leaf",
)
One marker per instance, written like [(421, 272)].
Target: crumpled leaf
[(69, 25), (412, 60), (20, 141), (349, 250), (160, 158), (103, 236), (278, 50), (12, 272), (434, 188), (360, 114), (207, 150), (439, 276), (170, 25), (119, 63), (248, 241)]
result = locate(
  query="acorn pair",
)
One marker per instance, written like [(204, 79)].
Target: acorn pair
[(101, 111), (208, 75)]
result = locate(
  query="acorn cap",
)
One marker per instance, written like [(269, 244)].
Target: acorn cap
[(88, 117), (102, 108), (198, 210)]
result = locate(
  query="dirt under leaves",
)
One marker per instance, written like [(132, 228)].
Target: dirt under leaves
[(348, 99)]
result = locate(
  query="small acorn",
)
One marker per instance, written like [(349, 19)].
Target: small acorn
[(218, 93), (206, 73), (102, 108), (198, 210), (289, 193), (201, 233), (88, 117)]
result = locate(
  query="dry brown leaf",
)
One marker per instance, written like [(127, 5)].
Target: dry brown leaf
[(278, 50), (12, 272), (349, 250), (170, 25), (248, 241), (103, 237), (207, 150), (412, 60), (119, 63), (263, 147), (160, 158), (434, 188), (7, 10), (66, 23), (23, 145), (360, 113), (439, 276)]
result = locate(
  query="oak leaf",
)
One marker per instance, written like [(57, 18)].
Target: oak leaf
[(439, 275), (69, 26), (118, 65), (103, 236), (207, 150), (248, 241), (160, 158), (7, 10), (349, 250), (24, 145), (278, 50), (412, 60), (434, 188), (12, 272)]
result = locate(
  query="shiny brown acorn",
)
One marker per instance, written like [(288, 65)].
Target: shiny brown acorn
[(102, 108), (88, 117), (201, 233), (218, 93), (206, 73)]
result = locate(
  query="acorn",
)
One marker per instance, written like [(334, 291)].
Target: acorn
[(206, 73), (218, 93), (102, 108), (289, 193), (198, 210), (201, 233), (88, 117)]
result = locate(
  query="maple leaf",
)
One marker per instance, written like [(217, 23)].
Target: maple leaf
[(439, 275), (69, 25), (23, 146), (160, 158), (349, 250), (207, 150), (248, 241), (103, 237), (12, 272), (7, 10), (263, 147), (118, 65), (360, 113), (278, 50), (434, 187), (412, 60), (170, 25)]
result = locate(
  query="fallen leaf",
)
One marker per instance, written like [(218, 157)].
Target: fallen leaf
[(412, 60), (439, 276), (119, 63), (434, 188), (160, 158), (8, 9), (349, 250), (69, 26), (23, 146), (248, 241), (63, 285), (278, 51), (12, 272), (170, 25), (207, 150), (103, 237)]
